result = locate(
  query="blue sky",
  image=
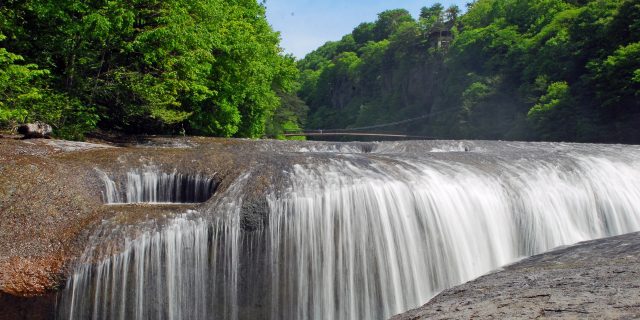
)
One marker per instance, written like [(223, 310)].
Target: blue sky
[(307, 24)]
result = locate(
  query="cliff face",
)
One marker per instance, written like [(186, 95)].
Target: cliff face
[(594, 279)]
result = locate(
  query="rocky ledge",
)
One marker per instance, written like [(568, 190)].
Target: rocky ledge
[(597, 279), (51, 201)]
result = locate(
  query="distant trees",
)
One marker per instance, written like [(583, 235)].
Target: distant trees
[(542, 69), (212, 67), (556, 61), (505, 69), (451, 14), (384, 70), (389, 22), (433, 12)]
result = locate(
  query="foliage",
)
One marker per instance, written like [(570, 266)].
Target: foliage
[(24, 97), (549, 112), (373, 74), (516, 69), (212, 67), (290, 117), (17, 86)]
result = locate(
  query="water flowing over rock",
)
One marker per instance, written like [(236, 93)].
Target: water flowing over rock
[(342, 231), (595, 279), (151, 186)]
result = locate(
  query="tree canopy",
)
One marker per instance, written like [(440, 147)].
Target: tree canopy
[(211, 67), (505, 69)]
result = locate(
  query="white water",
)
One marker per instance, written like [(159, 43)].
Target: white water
[(181, 271), (360, 237), (152, 186), (384, 241)]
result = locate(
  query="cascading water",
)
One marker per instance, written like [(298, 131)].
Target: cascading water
[(150, 185), (185, 268), (365, 236)]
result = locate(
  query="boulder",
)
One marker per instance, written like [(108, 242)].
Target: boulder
[(35, 130), (596, 279)]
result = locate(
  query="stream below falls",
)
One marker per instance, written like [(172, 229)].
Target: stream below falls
[(353, 231)]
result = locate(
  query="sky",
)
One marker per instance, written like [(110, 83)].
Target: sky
[(304, 25)]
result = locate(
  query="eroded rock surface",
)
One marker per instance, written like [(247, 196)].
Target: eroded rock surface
[(51, 196), (52, 203), (597, 279)]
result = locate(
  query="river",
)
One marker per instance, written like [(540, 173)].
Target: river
[(354, 230)]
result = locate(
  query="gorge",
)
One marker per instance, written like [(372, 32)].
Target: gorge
[(201, 228)]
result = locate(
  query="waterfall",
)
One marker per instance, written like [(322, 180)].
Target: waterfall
[(170, 274), (365, 236), (152, 186), (356, 242), (186, 268)]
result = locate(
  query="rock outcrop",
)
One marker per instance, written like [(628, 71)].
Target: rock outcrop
[(51, 202), (35, 130), (597, 279)]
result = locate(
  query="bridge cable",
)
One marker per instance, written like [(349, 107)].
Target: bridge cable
[(390, 124)]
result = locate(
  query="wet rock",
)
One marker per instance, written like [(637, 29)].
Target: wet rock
[(35, 130), (592, 280), (51, 198), (32, 308), (254, 214), (51, 202), (30, 276)]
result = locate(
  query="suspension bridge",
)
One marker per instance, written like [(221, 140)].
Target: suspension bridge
[(320, 133), (362, 131)]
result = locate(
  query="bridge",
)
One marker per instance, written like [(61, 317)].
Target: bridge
[(364, 131), (347, 133)]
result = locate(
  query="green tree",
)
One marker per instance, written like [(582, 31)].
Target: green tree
[(434, 12), (389, 21), (616, 78), (210, 66), (551, 110), (24, 97), (540, 69), (452, 13), (18, 87)]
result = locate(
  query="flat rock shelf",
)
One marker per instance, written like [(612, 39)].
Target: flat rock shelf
[(597, 279), (231, 229)]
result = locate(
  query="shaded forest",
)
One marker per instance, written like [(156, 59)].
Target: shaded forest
[(506, 69)]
